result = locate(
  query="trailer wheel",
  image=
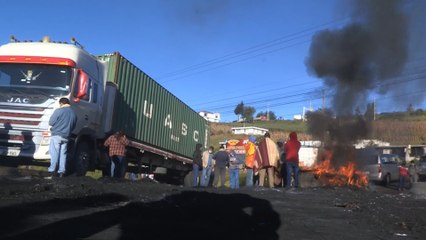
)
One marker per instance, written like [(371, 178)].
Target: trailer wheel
[(187, 181), (82, 158)]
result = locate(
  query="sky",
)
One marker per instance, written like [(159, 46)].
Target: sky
[(213, 54)]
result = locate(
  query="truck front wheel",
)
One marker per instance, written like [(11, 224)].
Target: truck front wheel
[(82, 158)]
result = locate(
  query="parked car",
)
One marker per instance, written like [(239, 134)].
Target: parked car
[(382, 168), (421, 168)]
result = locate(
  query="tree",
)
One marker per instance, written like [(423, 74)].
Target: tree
[(248, 113), (245, 112), (410, 108), (357, 111), (239, 109), (419, 112), (369, 113), (272, 116)]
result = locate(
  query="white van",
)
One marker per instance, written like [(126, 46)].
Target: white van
[(382, 168)]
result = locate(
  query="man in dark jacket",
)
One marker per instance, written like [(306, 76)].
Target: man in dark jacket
[(197, 164), (221, 159), (282, 165)]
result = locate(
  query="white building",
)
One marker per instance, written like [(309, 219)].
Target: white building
[(249, 130), (370, 143), (302, 116), (298, 117), (211, 117)]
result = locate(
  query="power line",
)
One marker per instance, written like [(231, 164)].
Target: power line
[(398, 80), (233, 62), (313, 93), (247, 51), (259, 50), (256, 93)]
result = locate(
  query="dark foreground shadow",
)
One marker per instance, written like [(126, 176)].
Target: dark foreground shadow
[(188, 215)]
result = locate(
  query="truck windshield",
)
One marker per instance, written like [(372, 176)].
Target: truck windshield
[(49, 80)]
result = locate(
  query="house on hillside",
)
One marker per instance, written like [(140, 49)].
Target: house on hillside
[(261, 118), (249, 130), (209, 116)]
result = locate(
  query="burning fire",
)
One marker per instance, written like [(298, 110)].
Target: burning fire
[(344, 176)]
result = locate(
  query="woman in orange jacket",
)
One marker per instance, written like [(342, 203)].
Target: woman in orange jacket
[(250, 148)]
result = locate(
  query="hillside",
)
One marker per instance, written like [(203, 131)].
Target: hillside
[(408, 130), (400, 132)]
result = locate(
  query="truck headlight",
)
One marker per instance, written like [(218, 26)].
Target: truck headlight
[(45, 141)]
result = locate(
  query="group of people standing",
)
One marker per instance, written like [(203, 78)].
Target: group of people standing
[(63, 122), (279, 162), (209, 162), (262, 161)]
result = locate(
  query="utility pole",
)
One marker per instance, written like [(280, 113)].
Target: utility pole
[(374, 109), (323, 101), (267, 113)]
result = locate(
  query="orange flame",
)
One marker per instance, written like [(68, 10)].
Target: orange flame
[(344, 176)]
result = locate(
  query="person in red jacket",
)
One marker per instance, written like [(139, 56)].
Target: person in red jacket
[(403, 175), (291, 148)]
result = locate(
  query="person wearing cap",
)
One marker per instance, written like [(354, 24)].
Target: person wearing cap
[(250, 148)]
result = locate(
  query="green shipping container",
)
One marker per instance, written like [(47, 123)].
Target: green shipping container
[(150, 114)]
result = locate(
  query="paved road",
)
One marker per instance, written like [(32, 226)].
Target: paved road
[(84, 208), (419, 188)]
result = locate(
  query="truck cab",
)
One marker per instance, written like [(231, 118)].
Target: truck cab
[(33, 77)]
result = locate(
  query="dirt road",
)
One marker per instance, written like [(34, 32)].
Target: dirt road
[(83, 208)]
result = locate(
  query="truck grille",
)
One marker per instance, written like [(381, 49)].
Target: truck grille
[(18, 122), (12, 117)]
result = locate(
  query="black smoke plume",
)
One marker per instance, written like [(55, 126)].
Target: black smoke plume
[(359, 57), (354, 61)]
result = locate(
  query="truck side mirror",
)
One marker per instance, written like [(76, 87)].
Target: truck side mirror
[(82, 83)]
